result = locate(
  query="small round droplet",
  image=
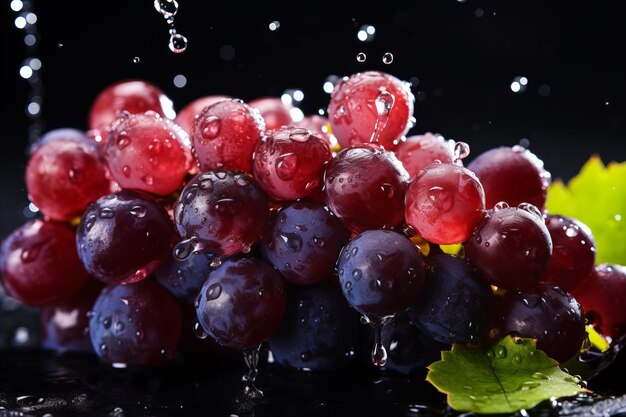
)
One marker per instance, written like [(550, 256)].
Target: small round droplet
[(501, 205), (106, 213), (286, 166), (356, 274), (199, 331), (136, 60), (210, 127), (572, 230), (178, 43), (138, 211), (361, 57), (461, 151), (213, 292), (501, 352), (387, 58)]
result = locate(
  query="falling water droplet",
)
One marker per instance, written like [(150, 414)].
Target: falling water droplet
[(136, 60), (361, 57), (251, 358), (387, 58), (379, 353), (384, 103)]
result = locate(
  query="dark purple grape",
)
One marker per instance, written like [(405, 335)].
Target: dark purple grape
[(455, 303), (65, 325), (123, 237), (222, 212), (135, 324), (409, 349), (319, 331), (548, 314), (242, 303), (39, 264), (381, 273), (365, 188), (511, 246), (183, 279), (303, 242), (573, 252)]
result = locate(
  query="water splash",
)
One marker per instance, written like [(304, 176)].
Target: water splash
[(384, 103), (251, 358), (168, 9)]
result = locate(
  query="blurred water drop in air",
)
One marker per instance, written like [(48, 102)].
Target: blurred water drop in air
[(361, 57), (518, 85), (366, 33), (387, 58), (274, 26)]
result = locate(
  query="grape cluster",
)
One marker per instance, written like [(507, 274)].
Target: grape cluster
[(269, 231)]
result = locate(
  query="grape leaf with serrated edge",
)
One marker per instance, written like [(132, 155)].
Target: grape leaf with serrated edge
[(596, 197), (504, 378)]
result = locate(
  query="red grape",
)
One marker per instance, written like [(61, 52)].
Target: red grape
[(511, 247), (242, 303), (417, 152), (274, 112), (289, 163), (187, 115), (444, 202), (221, 212), (354, 114), (133, 96), (602, 296), (365, 188), (573, 252), (225, 134), (123, 237), (64, 175), (39, 264), (148, 153), (499, 168), (137, 324)]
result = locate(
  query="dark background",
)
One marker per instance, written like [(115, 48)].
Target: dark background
[(464, 63)]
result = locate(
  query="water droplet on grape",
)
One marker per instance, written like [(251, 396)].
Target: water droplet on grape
[(384, 103), (107, 322), (213, 292), (501, 205), (357, 274), (461, 151), (572, 230), (138, 211), (198, 331), (299, 135), (286, 166), (106, 213), (210, 127), (184, 249), (126, 171), (539, 375)]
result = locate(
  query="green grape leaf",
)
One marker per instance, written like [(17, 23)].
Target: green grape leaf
[(596, 197), (507, 377)]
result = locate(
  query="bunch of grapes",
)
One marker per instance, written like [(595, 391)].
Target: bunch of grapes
[(236, 222)]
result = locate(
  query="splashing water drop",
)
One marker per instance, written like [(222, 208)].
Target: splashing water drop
[(251, 358), (384, 103), (461, 151), (387, 58), (168, 9)]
